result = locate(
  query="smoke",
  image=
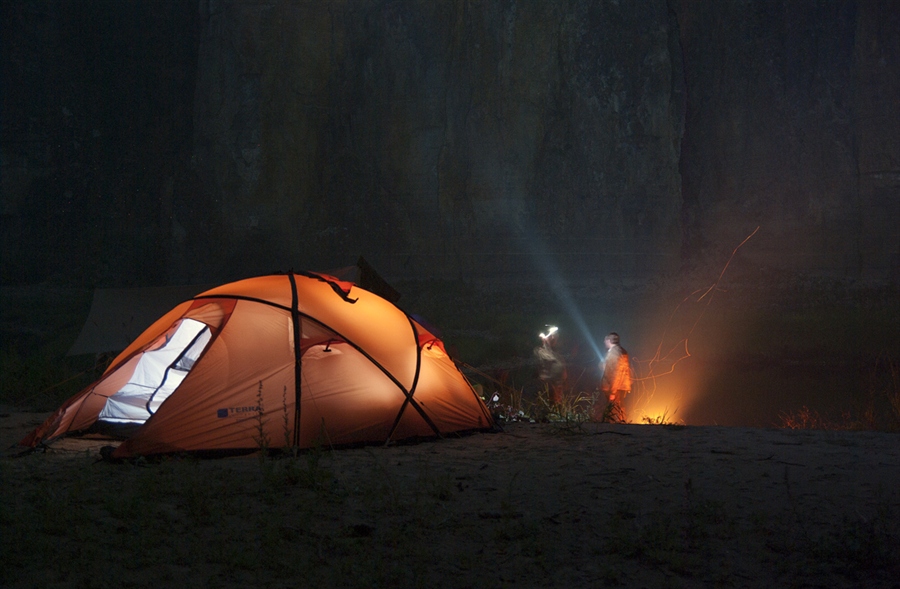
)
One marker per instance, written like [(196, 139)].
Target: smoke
[(544, 261), (665, 387)]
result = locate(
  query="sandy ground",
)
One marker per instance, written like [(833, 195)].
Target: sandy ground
[(537, 505)]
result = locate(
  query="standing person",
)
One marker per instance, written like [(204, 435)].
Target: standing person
[(615, 381), (552, 367)]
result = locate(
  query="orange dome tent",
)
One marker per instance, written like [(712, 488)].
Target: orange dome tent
[(299, 360)]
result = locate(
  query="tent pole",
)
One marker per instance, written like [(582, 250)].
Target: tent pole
[(412, 391), (295, 321)]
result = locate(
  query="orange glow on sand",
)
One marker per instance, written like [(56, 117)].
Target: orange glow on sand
[(665, 396), (662, 406)]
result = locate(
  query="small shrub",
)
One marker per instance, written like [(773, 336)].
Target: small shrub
[(574, 407), (664, 418), (507, 404), (877, 408), (804, 418)]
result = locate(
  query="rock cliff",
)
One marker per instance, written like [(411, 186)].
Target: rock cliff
[(597, 142), (443, 139)]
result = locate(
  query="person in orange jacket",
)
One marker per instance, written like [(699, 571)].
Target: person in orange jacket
[(615, 381)]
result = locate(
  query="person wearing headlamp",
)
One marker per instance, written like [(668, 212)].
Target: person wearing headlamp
[(551, 365)]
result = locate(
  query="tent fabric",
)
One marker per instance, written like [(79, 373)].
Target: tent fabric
[(300, 360)]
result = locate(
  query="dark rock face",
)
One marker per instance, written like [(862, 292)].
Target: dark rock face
[(96, 125), (601, 142), (445, 139), (877, 130), (782, 127)]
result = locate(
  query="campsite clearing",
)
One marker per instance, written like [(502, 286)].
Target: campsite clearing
[(539, 505)]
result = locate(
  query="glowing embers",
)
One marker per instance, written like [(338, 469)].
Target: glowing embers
[(158, 373), (652, 405)]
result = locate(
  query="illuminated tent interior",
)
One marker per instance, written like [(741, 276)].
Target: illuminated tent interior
[(299, 360)]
